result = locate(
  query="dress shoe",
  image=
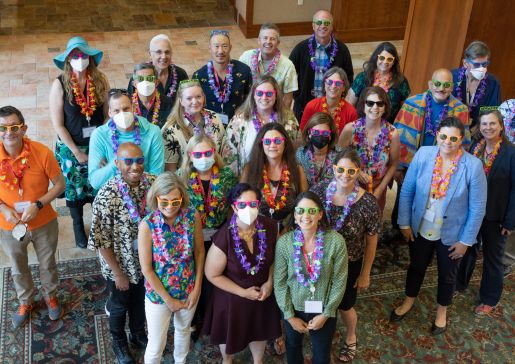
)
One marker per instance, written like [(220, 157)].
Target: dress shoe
[(437, 330), (122, 353), (139, 340), (396, 318)]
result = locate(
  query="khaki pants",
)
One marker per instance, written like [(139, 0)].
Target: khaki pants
[(44, 240)]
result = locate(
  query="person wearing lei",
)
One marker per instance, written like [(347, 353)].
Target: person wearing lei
[(268, 60), (376, 141), (169, 75), (263, 105), (498, 156), (355, 214), (77, 105), (333, 101), (274, 170), (240, 265), (442, 204), (226, 82), (171, 253), (382, 70), (310, 272), (189, 117), (119, 207), (147, 100)]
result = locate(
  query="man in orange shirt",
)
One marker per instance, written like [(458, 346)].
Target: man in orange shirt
[(26, 167)]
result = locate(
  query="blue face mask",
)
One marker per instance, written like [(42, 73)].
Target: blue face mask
[(203, 164)]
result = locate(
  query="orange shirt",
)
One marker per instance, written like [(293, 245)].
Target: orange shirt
[(41, 168)]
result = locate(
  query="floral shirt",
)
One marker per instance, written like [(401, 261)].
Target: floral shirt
[(172, 256), (317, 173), (112, 227)]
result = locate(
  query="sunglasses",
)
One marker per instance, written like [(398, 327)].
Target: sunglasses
[(240, 205), (117, 91), (260, 93), (319, 22), (334, 83), (453, 139), (79, 56), (443, 84), (316, 132), (387, 59), (165, 203), (478, 64), (350, 171), (276, 140), (131, 161), (309, 210), (149, 78), (10, 128), (206, 153), (371, 103)]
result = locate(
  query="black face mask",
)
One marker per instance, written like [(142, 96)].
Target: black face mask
[(319, 141)]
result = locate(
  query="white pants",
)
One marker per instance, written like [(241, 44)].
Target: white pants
[(158, 320)]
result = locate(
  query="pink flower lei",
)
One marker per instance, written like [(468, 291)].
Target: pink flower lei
[(370, 156), (158, 236), (254, 63), (173, 85), (240, 253), (318, 254), (331, 190)]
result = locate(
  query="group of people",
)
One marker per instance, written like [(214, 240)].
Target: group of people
[(246, 202)]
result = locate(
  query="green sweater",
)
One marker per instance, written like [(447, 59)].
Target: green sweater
[(330, 287)]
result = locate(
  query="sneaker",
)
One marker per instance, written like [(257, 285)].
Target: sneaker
[(21, 315), (55, 311), (483, 309)]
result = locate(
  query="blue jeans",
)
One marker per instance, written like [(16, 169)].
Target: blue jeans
[(321, 340)]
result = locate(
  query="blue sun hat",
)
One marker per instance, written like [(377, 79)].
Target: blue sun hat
[(82, 44)]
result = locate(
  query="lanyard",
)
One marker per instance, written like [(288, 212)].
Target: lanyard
[(222, 92), (309, 267)]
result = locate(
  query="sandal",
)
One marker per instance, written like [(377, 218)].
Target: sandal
[(279, 346), (348, 352)]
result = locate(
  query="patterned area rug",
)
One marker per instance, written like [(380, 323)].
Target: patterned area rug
[(82, 336)]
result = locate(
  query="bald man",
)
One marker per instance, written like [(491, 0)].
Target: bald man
[(117, 211), (315, 55)]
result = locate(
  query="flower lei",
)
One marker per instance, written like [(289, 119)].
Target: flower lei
[(238, 249), (267, 189), (318, 254), (440, 185), (481, 90), (257, 123), (115, 134), (489, 158), (331, 190), (10, 177), (182, 243), (384, 83), (254, 63), (173, 85), (222, 97), (198, 128), (129, 202), (312, 57), (432, 128), (336, 114), (208, 202), (313, 176), (87, 105), (156, 100)]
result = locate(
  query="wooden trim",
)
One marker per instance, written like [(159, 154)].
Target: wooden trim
[(370, 34), (296, 28), (407, 33)]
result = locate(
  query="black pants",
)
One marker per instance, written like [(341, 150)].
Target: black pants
[(493, 251), (421, 255), (119, 303)]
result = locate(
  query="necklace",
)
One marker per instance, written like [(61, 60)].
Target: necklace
[(257, 122), (129, 202), (205, 125), (207, 202), (351, 198), (439, 185), (336, 113), (181, 242), (432, 127), (312, 57), (312, 269), (271, 197), (314, 177), (240, 253), (156, 101), (383, 82), (371, 154), (173, 86), (488, 159), (481, 90), (254, 63), (115, 134), (87, 105), (222, 96), (12, 177)]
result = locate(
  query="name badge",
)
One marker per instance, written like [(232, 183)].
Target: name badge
[(21, 206), (430, 213), (313, 307), (86, 132), (224, 118)]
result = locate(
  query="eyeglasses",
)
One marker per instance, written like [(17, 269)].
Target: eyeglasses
[(10, 128), (165, 203), (117, 91), (478, 64), (334, 83), (387, 59), (149, 78), (453, 139), (350, 171), (79, 56), (159, 52), (309, 210), (276, 140), (371, 103), (205, 153), (240, 205), (443, 84), (317, 132), (131, 161), (319, 22), (260, 93)]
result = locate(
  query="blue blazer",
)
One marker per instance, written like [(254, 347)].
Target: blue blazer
[(463, 206)]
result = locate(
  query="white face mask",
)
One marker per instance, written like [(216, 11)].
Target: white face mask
[(248, 215), (478, 73), (146, 88), (203, 164), (124, 119), (80, 64)]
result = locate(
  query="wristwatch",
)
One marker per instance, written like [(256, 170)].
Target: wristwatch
[(39, 204)]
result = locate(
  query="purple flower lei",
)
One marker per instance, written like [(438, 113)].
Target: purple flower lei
[(224, 97), (331, 190), (115, 134), (432, 128), (318, 254), (479, 93), (257, 123), (312, 57), (254, 63), (201, 127), (238, 249), (158, 236), (312, 176), (371, 158), (173, 86), (129, 202)]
